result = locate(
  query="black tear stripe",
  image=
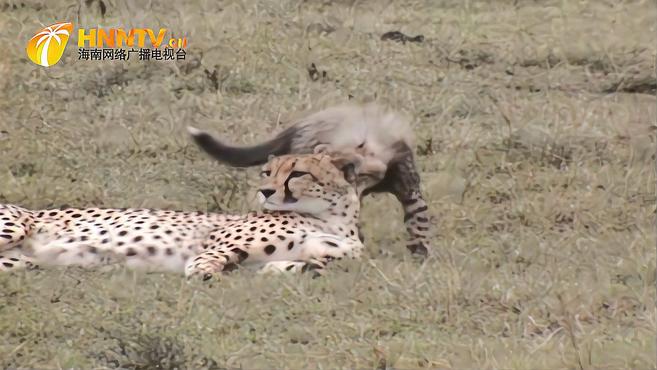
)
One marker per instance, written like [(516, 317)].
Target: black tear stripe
[(409, 215), (288, 194)]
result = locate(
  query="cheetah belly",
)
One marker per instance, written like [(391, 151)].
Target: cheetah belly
[(142, 239)]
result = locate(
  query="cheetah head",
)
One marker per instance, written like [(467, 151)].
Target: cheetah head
[(309, 183)]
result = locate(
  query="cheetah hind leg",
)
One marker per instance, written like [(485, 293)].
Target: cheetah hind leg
[(14, 260)]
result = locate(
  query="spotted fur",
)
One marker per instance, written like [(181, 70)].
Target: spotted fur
[(310, 218), (383, 138)]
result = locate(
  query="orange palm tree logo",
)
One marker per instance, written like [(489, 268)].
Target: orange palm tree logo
[(47, 46)]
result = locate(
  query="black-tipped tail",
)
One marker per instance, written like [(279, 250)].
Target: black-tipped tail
[(243, 156)]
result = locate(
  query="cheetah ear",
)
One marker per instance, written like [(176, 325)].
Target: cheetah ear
[(321, 148)]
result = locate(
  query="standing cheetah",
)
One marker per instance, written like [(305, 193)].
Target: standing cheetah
[(382, 137), (310, 217)]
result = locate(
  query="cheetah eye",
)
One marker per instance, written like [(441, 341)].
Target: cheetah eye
[(294, 174), (265, 173)]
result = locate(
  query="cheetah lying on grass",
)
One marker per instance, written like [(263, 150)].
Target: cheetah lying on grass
[(311, 217), (381, 136)]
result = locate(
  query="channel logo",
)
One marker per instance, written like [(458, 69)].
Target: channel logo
[(47, 46)]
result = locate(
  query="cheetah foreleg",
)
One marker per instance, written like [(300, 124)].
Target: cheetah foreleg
[(214, 261), (206, 264)]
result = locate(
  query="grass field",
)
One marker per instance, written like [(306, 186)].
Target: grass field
[(535, 126)]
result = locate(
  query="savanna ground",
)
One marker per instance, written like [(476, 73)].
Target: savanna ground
[(536, 134)]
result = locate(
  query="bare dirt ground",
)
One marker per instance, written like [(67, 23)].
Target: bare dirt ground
[(536, 134)]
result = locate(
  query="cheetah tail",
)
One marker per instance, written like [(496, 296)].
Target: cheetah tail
[(243, 156)]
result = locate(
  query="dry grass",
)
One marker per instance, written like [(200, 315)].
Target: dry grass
[(536, 136)]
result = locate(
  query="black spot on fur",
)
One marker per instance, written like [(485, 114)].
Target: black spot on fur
[(331, 244), (123, 233), (290, 245), (241, 254), (138, 239), (270, 249), (151, 250), (131, 252)]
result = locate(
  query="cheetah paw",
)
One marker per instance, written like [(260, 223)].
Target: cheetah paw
[(205, 270)]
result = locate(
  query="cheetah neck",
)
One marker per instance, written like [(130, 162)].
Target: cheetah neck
[(341, 218)]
